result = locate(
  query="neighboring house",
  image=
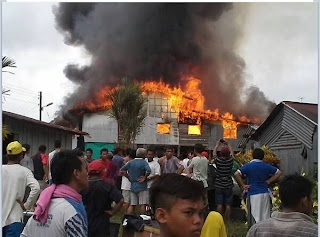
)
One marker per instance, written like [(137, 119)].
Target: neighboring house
[(36, 133), (291, 132)]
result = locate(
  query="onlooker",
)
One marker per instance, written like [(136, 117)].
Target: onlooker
[(40, 162), (112, 172), (109, 166), (258, 174), (89, 153), (97, 199), (178, 205), (187, 160), (125, 184), (199, 166), (15, 180), (214, 226), (27, 161), (212, 172), (138, 170), (57, 148), (118, 161), (60, 211), (155, 169), (295, 195), (169, 163), (224, 183)]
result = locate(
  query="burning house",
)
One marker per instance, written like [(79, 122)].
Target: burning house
[(184, 56)]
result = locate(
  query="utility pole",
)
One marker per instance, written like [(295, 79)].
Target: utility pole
[(40, 109)]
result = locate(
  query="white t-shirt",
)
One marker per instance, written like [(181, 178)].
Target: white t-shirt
[(199, 165), (63, 220), (125, 183), (15, 179), (51, 155), (155, 170), (185, 162)]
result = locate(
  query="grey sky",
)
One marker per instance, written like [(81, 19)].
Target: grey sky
[(279, 46)]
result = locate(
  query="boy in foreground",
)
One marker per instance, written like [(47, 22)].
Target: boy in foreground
[(178, 204)]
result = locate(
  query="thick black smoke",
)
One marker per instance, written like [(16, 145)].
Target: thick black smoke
[(149, 41)]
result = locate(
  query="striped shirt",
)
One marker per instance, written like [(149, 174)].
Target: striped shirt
[(224, 168), (293, 224)]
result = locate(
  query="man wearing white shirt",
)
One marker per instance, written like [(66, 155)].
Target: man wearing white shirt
[(57, 148), (15, 179), (154, 166)]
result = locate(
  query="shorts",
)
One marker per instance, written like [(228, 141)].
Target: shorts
[(126, 196), (224, 196), (141, 198)]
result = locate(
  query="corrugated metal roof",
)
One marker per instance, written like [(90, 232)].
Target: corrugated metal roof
[(41, 123), (306, 110), (310, 111)]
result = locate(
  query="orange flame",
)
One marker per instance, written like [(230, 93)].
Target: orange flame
[(186, 102), (194, 130), (163, 128)]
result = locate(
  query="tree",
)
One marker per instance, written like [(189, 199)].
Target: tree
[(6, 62), (128, 109)]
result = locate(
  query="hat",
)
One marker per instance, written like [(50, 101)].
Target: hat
[(225, 151), (204, 153), (15, 148), (96, 166)]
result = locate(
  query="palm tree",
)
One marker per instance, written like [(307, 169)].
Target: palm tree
[(6, 62), (128, 109)]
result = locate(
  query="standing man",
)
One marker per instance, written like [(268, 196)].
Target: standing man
[(27, 161), (57, 148), (199, 166), (169, 163), (40, 162), (15, 179), (118, 161), (89, 153), (126, 184), (138, 170), (97, 199), (60, 211), (296, 198), (224, 183), (258, 174)]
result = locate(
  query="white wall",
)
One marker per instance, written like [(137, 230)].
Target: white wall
[(101, 127)]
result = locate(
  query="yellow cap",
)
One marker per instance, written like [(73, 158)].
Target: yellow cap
[(15, 148)]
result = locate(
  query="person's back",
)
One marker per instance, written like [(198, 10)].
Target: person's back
[(97, 199), (60, 211), (38, 166), (57, 148), (295, 194), (214, 226), (137, 168), (199, 166), (27, 161), (15, 180)]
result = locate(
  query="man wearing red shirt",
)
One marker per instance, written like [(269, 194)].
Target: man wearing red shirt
[(40, 161)]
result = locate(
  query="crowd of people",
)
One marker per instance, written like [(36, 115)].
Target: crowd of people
[(188, 196)]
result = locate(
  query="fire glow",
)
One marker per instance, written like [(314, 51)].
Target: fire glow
[(163, 128), (187, 102), (194, 130)]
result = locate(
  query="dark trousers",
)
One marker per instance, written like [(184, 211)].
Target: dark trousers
[(212, 200)]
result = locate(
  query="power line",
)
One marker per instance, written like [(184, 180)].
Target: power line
[(23, 101), (19, 87)]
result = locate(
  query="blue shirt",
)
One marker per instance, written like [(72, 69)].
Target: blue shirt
[(118, 160), (136, 168), (257, 172)]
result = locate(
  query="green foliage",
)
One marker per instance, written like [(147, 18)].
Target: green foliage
[(5, 132), (128, 109)]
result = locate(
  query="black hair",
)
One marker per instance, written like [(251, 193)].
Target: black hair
[(117, 150), (169, 148), (14, 158), (57, 144), (198, 148), (78, 151), (104, 149), (168, 187), (27, 147), (292, 188), (62, 166), (42, 148), (127, 151), (89, 149), (151, 150), (258, 153), (132, 154)]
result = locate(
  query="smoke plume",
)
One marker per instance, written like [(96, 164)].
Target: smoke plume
[(149, 41)]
